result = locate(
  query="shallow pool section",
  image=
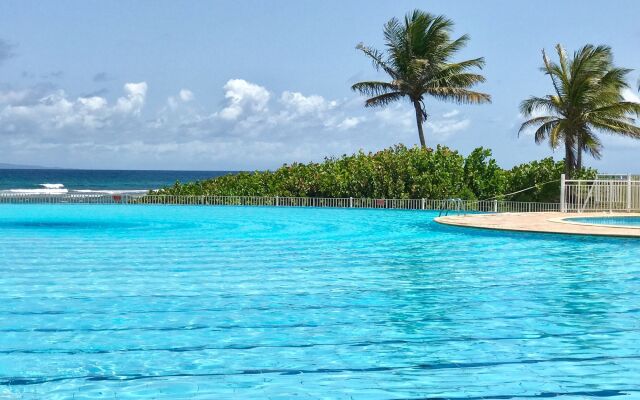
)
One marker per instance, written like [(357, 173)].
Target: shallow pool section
[(622, 221), (163, 302)]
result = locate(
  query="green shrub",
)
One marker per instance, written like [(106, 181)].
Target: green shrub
[(397, 172), (544, 175), (482, 175)]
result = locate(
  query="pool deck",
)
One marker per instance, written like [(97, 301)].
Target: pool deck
[(544, 222)]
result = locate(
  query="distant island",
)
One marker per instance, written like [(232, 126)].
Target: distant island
[(20, 166)]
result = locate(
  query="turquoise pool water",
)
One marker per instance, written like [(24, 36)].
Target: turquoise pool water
[(622, 221), (146, 302)]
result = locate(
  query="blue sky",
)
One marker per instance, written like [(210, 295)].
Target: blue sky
[(253, 84)]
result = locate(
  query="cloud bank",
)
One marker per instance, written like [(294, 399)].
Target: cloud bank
[(252, 128)]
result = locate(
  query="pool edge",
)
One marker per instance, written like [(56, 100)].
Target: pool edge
[(544, 222)]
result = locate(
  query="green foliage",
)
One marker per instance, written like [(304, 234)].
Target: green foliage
[(397, 172), (544, 175), (483, 176), (536, 173)]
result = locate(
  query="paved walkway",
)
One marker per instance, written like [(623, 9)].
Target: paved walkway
[(551, 222)]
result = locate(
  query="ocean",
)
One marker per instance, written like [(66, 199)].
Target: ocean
[(58, 181)]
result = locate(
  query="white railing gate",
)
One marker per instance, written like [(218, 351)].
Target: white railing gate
[(605, 193)]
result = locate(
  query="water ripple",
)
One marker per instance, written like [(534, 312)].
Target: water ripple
[(232, 302)]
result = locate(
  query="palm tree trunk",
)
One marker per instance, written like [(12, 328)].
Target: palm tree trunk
[(579, 157), (579, 161), (419, 115), (569, 158)]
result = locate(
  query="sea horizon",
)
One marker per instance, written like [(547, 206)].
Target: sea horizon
[(59, 180)]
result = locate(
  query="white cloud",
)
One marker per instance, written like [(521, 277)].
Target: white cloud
[(55, 111), (630, 95), (350, 122), (254, 128), (301, 105), (313, 112), (186, 95), (243, 96), (401, 117), (92, 103), (443, 128), (13, 96), (249, 115), (397, 116), (134, 99)]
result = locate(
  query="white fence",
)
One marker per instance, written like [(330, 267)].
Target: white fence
[(459, 206), (605, 193)]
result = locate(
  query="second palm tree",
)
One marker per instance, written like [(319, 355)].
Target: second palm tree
[(587, 98)]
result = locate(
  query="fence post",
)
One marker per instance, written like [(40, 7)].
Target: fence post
[(422, 204), (495, 206), (583, 206), (350, 202), (277, 201), (563, 201), (610, 195), (628, 192)]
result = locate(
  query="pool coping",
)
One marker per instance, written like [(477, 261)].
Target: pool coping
[(543, 222), (568, 220)]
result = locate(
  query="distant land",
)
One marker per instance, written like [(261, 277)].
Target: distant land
[(19, 166)]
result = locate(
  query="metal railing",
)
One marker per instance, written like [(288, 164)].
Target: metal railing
[(605, 193), (453, 205), (617, 177), (67, 198), (348, 202)]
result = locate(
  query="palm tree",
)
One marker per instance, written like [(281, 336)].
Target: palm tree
[(417, 60), (587, 99)]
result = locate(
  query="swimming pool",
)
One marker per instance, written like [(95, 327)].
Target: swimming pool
[(622, 221), (180, 302)]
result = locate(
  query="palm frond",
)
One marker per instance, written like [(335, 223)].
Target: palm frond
[(591, 144), (374, 88), (384, 99), (555, 72), (465, 80), (557, 134), (617, 109), (459, 95), (532, 104), (615, 126), (536, 121), (450, 69), (562, 57), (456, 45), (544, 131), (377, 59), (616, 78), (393, 33)]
